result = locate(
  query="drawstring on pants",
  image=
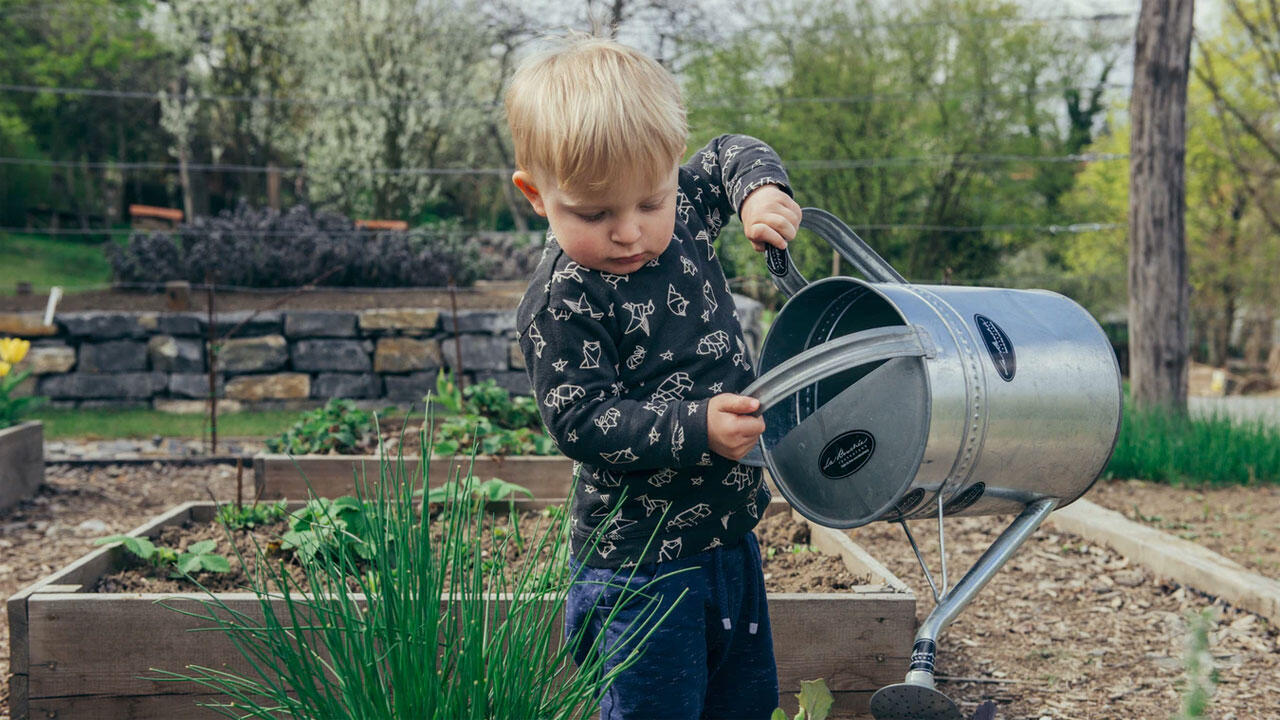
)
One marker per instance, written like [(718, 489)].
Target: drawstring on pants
[(753, 557), (722, 593)]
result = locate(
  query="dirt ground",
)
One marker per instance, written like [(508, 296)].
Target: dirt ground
[(1240, 523), (1070, 630), (484, 296), (1067, 630)]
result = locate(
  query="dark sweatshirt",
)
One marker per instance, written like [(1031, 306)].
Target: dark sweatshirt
[(622, 367)]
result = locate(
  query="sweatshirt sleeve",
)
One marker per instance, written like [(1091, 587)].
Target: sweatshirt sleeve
[(573, 364), (725, 171)]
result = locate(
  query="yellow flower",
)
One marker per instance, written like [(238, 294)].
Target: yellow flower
[(4, 368), (12, 350)]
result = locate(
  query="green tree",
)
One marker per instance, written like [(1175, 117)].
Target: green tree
[(1233, 249), (101, 44), (884, 116)]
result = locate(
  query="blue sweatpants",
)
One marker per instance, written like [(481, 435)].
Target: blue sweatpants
[(712, 657)]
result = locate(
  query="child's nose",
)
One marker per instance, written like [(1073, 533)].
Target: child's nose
[(627, 231)]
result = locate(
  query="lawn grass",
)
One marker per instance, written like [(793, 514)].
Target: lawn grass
[(1201, 451), (45, 261), (106, 424)]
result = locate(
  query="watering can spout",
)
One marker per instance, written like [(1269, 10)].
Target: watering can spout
[(916, 698)]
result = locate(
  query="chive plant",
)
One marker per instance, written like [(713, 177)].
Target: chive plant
[(1213, 451), (422, 627)]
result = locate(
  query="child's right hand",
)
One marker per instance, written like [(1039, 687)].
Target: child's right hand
[(732, 429)]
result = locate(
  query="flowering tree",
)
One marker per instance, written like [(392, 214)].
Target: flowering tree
[(421, 76)]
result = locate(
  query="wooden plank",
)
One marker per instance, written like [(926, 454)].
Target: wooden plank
[(858, 642), (282, 476), (21, 462), (93, 653), (1168, 556), (108, 644), (128, 707), (68, 588), (88, 568), (848, 704)]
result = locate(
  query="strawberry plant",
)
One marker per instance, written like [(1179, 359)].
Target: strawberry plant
[(485, 416), (336, 526), (199, 556), (338, 427)]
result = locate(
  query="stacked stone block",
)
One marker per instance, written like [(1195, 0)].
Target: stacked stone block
[(274, 359)]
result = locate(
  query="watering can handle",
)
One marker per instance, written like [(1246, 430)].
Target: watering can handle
[(835, 355), (845, 241)]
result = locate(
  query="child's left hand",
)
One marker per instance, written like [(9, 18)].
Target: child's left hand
[(769, 217)]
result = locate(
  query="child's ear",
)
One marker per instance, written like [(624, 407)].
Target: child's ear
[(525, 182)]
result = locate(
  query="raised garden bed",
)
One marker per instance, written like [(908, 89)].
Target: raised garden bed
[(21, 462), (278, 477), (75, 653)]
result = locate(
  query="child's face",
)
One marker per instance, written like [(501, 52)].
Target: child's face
[(615, 230)]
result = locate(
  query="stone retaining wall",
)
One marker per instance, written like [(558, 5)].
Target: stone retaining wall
[(279, 359)]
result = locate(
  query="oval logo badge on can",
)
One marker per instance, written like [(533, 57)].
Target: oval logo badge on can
[(846, 454), (998, 346)]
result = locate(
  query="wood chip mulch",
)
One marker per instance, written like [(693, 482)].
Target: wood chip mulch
[(1067, 630), (1070, 630)]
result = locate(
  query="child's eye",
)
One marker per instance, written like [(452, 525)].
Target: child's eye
[(650, 207), (594, 217)]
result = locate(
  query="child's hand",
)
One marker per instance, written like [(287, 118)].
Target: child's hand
[(731, 428), (769, 217)]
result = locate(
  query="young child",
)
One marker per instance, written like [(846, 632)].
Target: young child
[(634, 349)]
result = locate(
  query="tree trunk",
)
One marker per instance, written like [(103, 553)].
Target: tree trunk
[(1158, 290)]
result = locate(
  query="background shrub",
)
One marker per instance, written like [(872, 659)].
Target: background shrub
[(268, 248)]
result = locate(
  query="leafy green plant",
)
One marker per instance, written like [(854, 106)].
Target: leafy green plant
[(12, 351), (198, 557), (815, 702), (485, 416), (490, 490), (1161, 447), (338, 427), (237, 517), (316, 650), (337, 526)]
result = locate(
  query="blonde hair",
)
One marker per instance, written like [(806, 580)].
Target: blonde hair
[(591, 108)]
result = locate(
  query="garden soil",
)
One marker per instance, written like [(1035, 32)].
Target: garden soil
[(1241, 523), (791, 564), (1067, 630)]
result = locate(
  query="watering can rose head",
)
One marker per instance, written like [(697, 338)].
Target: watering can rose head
[(12, 351)]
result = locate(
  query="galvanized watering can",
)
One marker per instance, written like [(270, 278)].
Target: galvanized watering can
[(885, 400)]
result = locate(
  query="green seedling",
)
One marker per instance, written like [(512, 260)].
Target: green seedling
[(815, 702), (236, 517), (198, 557)]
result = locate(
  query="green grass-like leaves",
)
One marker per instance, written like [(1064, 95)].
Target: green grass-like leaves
[(432, 629), (1180, 450)]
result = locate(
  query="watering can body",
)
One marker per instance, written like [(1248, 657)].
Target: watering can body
[(992, 399)]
